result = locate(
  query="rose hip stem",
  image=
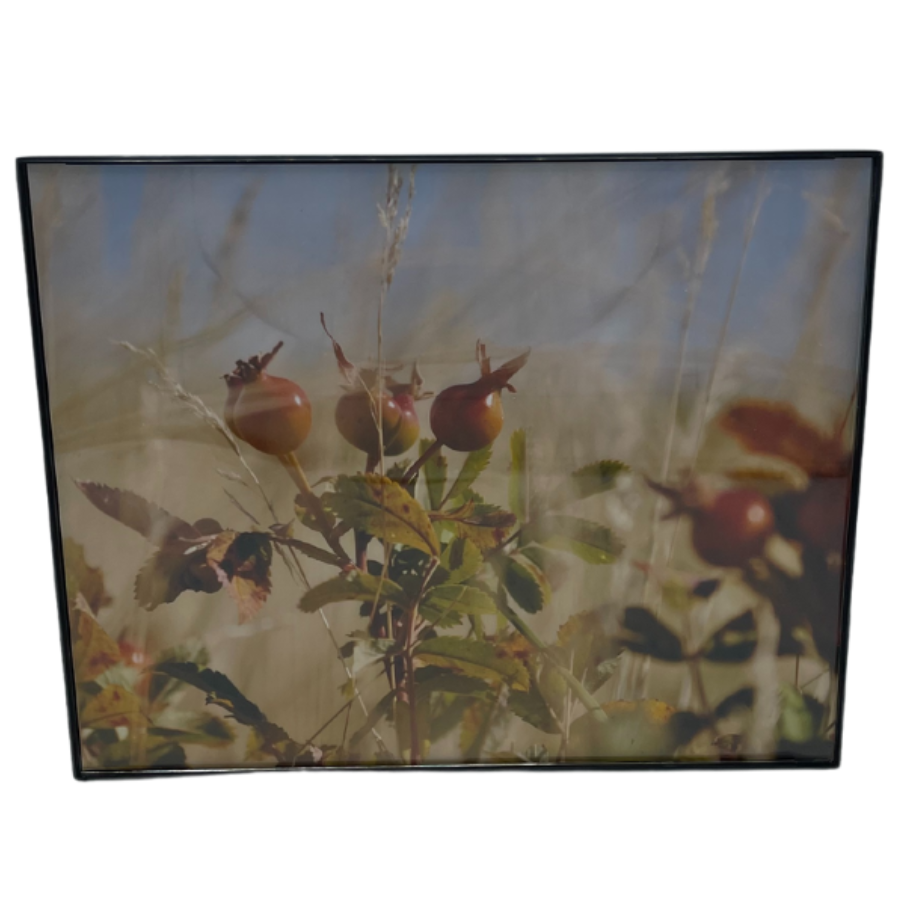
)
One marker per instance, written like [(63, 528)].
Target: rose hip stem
[(298, 476), (360, 538), (411, 472)]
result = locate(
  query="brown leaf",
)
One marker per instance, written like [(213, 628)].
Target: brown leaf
[(84, 579), (777, 429), (142, 516), (242, 563), (93, 650), (113, 707)]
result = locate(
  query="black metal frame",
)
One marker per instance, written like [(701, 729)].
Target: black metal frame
[(22, 164)]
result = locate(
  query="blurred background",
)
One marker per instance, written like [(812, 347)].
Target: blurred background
[(650, 294)]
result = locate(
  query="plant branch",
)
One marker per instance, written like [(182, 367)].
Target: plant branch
[(413, 470), (298, 476)]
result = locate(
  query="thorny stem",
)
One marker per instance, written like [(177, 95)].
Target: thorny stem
[(298, 476), (413, 470)]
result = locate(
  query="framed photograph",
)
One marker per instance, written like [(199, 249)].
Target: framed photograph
[(465, 461)]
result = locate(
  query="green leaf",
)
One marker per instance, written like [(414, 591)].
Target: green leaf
[(445, 719), (518, 475), (595, 478), (801, 716), (555, 566), (356, 585), (460, 560), (446, 604), (435, 473), (523, 581), (363, 651), (478, 659), (476, 462), (643, 633), (376, 714), (532, 708), (734, 642), (593, 543), (383, 509), (436, 680)]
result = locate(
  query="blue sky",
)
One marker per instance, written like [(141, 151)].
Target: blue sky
[(553, 254)]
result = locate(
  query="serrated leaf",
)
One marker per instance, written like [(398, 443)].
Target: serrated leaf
[(363, 651), (476, 658), (219, 688), (446, 604), (93, 650), (460, 560), (476, 462), (84, 579), (523, 581), (555, 567), (595, 478), (518, 475), (643, 633), (532, 708), (220, 691), (183, 727), (242, 563), (310, 550), (356, 585), (734, 642), (133, 511), (594, 544), (485, 525), (383, 509), (435, 474), (114, 707)]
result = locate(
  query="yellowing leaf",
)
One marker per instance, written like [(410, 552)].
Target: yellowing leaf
[(356, 585), (242, 563), (476, 658), (383, 509), (460, 560), (113, 707), (84, 579), (93, 650), (486, 526)]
